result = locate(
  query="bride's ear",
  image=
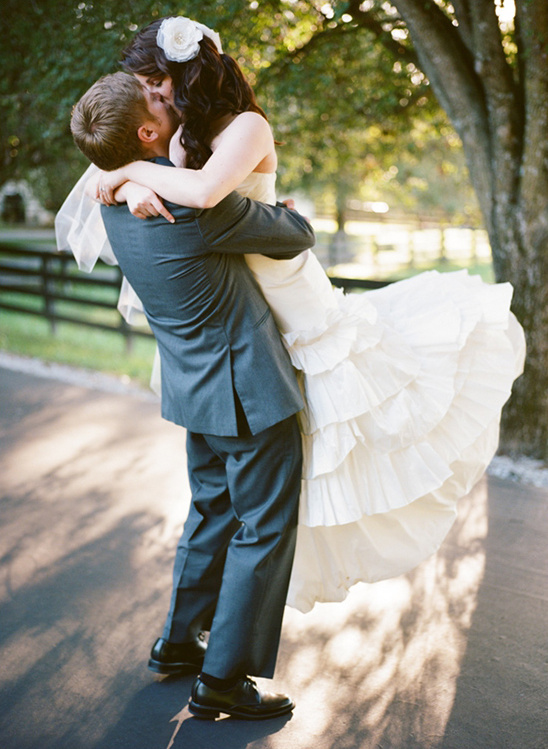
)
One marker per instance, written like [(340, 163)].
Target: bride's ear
[(146, 133)]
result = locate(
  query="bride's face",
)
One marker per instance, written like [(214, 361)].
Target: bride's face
[(161, 84)]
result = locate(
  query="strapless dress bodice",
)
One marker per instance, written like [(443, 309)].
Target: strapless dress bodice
[(297, 290)]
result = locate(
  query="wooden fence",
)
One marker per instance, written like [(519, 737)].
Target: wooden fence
[(49, 284)]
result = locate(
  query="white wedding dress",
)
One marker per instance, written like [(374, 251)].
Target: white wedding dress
[(404, 388)]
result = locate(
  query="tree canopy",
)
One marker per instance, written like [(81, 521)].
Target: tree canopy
[(341, 103)]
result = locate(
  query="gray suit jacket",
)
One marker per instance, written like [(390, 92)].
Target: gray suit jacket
[(215, 332)]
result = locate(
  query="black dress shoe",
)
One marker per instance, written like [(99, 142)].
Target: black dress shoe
[(177, 658), (242, 701)]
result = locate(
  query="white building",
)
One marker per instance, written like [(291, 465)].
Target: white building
[(19, 205)]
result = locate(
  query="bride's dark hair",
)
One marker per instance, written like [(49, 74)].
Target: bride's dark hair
[(205, 88)]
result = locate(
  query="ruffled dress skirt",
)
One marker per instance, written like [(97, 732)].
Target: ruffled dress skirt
[(404, 388)]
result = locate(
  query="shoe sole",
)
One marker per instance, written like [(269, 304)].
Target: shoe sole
[(203, 712), (176, 669)]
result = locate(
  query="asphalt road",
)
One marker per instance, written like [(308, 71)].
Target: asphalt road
[(93, 493)]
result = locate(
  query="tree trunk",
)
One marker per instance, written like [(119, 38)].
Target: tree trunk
[(525, 421), (338, 246), (501, 115)]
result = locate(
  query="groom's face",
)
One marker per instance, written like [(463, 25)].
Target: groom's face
[(165, 117)]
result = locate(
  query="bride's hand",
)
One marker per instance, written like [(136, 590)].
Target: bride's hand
[(92, 185), (107, 185), (144, 203)]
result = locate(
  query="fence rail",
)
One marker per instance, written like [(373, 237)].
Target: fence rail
[(348, 284), (48, 284), (28, 274)]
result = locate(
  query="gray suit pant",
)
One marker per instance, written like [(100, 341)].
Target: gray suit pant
[(234, 559)]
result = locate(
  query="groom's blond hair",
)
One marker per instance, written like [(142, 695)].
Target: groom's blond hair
[(105, 121)]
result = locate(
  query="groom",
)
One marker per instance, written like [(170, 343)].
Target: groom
[(227, 378)]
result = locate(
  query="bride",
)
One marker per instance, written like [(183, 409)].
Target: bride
[(403, 386)]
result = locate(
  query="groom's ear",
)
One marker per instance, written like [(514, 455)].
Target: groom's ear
[(146, 133)]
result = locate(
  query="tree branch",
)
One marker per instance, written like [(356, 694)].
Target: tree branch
[(449, 65), (377, 26), (492, 67), (505, 116), (462, 14)]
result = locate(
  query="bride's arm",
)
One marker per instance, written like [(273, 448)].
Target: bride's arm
[(239, 149), (141, 201)]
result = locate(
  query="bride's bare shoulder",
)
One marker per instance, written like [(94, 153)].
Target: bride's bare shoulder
[(250, 124)]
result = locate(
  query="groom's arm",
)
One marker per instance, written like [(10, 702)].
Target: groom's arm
[(242, 225)]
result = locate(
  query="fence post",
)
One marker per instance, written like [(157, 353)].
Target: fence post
[(49, 300), (411, 248), (443, 249), (473, 246), (123, 326), (125, 329)]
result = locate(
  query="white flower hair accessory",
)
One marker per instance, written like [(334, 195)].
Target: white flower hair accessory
[(180, 38)]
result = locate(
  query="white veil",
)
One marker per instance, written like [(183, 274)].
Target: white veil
[(79, 228)]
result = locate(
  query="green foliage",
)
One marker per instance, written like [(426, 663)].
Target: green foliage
[(428, 174), (51, 53), (343, 98)]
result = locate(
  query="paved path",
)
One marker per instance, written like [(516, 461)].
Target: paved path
[(93, 492)]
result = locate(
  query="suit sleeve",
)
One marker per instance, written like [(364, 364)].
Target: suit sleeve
[(242, 225)]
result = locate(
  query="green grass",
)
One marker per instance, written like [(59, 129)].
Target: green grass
[(105, 351), (73, 344), (77, 345)]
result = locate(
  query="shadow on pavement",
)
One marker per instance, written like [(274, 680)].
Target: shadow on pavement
[(502, 691), (93, 493), (144, 723)]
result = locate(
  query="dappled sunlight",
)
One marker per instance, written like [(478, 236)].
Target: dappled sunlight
[(100, 426), (27, 646), (75, 629), (89, 533), (75, 454), (94, 491), (384, 249), (383, 666)]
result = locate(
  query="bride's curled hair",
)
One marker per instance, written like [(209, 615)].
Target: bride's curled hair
[(208, 87)]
